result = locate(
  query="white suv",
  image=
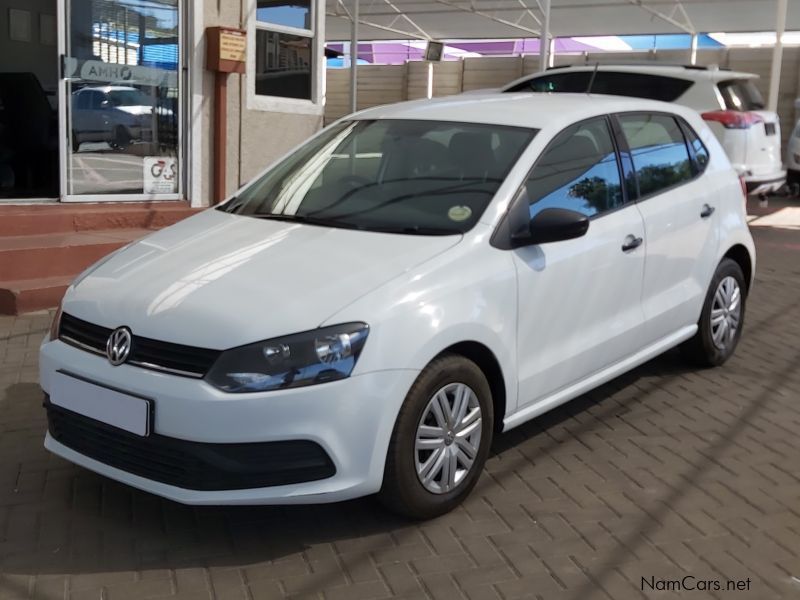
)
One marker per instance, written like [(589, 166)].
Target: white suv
[(729, 101), (371, 310)]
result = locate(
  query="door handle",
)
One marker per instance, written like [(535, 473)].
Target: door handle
[(631, 243), (707, 211)]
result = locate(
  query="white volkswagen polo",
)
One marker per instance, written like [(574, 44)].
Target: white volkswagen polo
[(367, 313)]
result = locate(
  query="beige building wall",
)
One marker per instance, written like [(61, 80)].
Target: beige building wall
[(255, 137)]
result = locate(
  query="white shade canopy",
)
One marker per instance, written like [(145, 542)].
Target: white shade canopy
[(487, 19)]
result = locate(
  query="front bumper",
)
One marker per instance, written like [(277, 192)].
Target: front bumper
[(350, 420)]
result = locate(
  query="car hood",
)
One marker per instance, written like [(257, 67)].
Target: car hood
[(217, 280)]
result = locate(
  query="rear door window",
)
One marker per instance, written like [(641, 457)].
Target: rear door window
[(659, 151), (697, 148), (741, 94)]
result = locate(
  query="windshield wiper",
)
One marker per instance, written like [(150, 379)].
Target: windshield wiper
[(416, 230), (306, 220)]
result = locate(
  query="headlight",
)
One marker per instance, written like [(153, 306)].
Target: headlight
[(55, 324), (307, 358)]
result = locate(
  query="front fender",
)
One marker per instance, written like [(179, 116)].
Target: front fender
[(463, 295)]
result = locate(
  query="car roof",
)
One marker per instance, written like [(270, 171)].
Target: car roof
[(531, 110), (690, 72)]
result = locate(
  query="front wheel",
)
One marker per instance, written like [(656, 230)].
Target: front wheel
[(720, 324), (440, 441)]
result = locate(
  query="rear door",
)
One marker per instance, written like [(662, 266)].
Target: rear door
[(680, 218)]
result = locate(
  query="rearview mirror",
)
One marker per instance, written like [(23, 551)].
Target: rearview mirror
[(553, 225)]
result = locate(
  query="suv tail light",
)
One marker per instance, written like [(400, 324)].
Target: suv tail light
[(733, 119)]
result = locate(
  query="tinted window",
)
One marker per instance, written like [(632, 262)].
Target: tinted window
[(635, 85), (83, 100), (575, 82), (400, 176), (578, 171), (741, 94), (697, 147), (283, 64), (659, 151), (640, 85)]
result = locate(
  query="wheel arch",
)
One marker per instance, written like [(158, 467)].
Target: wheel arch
[(487, 362), (741, 256)]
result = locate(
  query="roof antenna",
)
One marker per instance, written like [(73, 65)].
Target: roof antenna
[(591, 81)]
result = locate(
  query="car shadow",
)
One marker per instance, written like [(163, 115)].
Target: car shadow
[(87, 523), (80, 522)]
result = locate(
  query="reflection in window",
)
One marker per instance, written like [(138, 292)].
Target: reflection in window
[(283, 65), (699, 150), (288, 13), (578, 171), (659, 151)]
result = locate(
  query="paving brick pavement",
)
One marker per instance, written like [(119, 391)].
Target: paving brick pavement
[(662, 473)]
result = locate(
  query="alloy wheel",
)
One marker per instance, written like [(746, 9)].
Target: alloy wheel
[(726, 312), (448, 438)]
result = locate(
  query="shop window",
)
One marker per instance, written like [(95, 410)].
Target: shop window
[(285, 65)]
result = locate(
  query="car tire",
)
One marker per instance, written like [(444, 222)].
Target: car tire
[(417, 481), (122, 138), (76, 145), (722, 318)]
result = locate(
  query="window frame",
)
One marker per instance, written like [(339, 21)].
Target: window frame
[(623, 142), (314, 106)]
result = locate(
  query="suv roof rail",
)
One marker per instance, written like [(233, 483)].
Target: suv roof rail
[(642, 63)]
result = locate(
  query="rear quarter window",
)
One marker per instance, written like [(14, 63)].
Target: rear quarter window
[(741, 94)]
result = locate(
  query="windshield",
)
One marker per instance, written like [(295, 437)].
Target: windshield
[(128, 98), (399, 176)]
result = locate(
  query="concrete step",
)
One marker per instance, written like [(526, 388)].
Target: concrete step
[(40, 256), (26, 295), (34, 219)]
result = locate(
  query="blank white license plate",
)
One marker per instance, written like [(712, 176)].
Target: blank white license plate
[(127, 412)]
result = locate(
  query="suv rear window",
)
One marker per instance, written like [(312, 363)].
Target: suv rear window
[(613, 83), (741, 94)]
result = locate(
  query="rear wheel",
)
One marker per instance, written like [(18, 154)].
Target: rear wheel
[(720, 324), (440, 441)]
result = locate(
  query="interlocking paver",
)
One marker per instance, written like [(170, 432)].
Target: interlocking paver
[(664, 472)]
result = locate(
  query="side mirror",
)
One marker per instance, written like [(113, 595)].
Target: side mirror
[(553, 225)]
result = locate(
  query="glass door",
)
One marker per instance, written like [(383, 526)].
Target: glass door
[(121, 108)]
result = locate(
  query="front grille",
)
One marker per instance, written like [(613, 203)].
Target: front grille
[(191, 465), (769, 128), (178, 359)]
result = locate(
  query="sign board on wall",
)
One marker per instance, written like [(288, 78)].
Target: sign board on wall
[(160, 175), (232, 46), (226, 49)]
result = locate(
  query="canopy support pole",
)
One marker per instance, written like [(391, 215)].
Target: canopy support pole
[(777, 56), (693, 52), (354, 57), (544, 38)]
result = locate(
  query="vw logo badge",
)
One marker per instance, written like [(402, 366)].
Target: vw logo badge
[(118, 346)]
